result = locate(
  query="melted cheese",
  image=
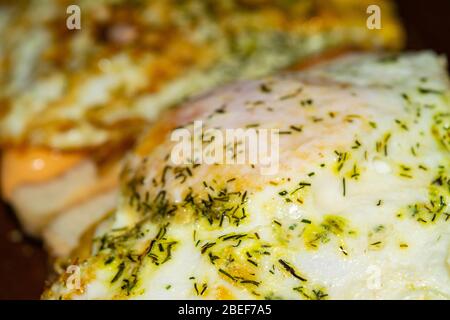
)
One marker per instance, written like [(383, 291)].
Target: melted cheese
[(358, 209), (34, 165)]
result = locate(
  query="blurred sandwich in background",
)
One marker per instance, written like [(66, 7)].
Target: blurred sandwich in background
[(73, 102)]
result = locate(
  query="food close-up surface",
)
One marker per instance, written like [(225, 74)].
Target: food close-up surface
[(118, 179), (73, 102), (362, 184)]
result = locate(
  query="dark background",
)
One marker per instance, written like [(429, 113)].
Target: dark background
[(427, 24), (23, 263)]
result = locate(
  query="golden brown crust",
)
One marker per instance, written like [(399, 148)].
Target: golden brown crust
[(321, 57), (164, 53)]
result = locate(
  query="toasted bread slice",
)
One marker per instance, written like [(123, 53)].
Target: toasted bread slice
[(63, 233), (57, 197)]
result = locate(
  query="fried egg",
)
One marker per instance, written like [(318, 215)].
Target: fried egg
[(358, 208)]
